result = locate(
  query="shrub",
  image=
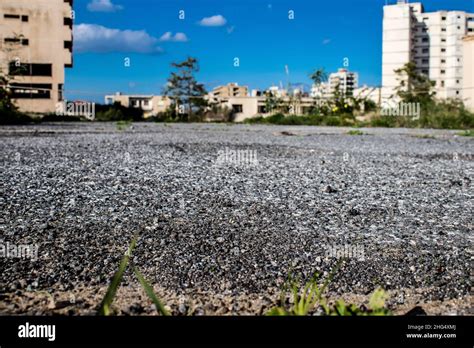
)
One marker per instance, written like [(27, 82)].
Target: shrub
[(60, 118), (334, 121), (9, 113), (13, 117), (355, 132), (118, 112), (467, 133)]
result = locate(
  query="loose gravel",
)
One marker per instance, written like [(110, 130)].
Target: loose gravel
[(231, 210)]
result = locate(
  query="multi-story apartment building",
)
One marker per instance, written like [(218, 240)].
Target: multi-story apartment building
[(344, 80), (228, 91), (35, 48), (278, 92), (468, 71), (432, 41), (321, 91), (150, 104)]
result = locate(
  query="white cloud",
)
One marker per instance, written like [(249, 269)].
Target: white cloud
[(213, 21), (326, 41), (178, 37), (99, 39), (103, 6)]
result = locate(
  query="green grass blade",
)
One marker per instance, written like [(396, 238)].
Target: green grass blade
[(277, 312), (151, 294), (117, 279)]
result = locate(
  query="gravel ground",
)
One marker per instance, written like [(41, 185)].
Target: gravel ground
[(213, 227)]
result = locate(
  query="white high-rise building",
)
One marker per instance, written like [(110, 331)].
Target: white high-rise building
[(433, 41), (468, 68), (344, 80)]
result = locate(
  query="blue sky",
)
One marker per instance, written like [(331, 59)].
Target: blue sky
[(258, 32)]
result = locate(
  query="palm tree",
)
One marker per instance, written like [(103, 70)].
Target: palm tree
[(318, 76)]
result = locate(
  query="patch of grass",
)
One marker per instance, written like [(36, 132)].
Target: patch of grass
[(304, 299), (310, 297), (376, 306), (355, 132), (467, 133), (123, 124), (304, 120)]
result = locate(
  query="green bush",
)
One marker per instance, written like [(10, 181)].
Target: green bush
[(13, 117), (9, 113), (334, 121), (448, 114), (296, 120), (60, 118), (467, 133), (355, 132), (117, 112)]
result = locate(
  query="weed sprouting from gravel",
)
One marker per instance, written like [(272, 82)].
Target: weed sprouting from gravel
[(467, 133), (308, 298), (117, 279), (149, 291), (355, 132), (376, 306), (122, 125)]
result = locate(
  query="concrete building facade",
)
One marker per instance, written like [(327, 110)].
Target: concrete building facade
[(35, 48), (247, 107), (373, 94), (229, 90), (242, 108), (344, 80), (468, 71), (321, 91), (432, 41), (150, 104)]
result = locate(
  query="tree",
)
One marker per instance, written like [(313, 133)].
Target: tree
[(186, 94), (272, 102), (319, 76), (6, 104), (7, 108), (218, 112), (414, 87)]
